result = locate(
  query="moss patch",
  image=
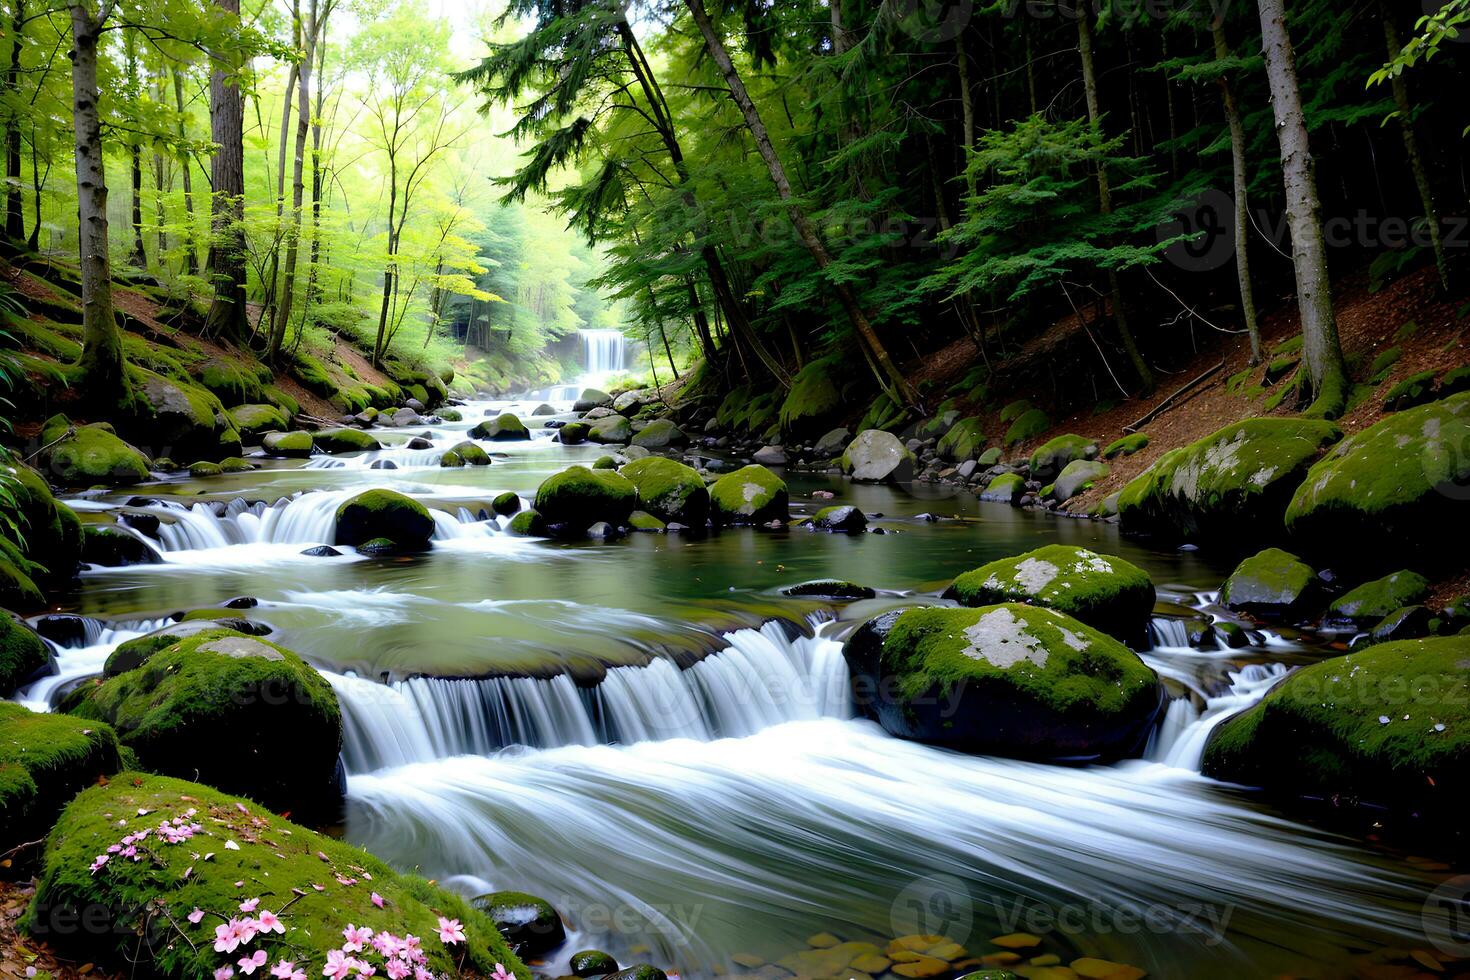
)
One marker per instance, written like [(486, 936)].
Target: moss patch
[(503, 428), (814, 400), (384, 514), (1028, 425), (669, 490), (963, 441), (576, 498), (344, 441), (90, 454), (1371, 601), (1126, 446), (749, 495), (1271, 584), (1007, 488), (45, 760)]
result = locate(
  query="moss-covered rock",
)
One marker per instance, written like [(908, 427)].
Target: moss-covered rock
[(1455, 381), (749, 495), (592, 963), (1014, 410), (451, 460), (86, 455), (254, 421), (876, 456), (1077, 477), (610, 429), (841, 519), (528, 923), (1126, 446), (1028, 425), (22, 653), (1272, 584), (48, 554), (642, 520), (288, 445), (502, 428), (181, 420), (659, 434), (506, 503), (964, 440), (605, 463), (315, 885), (1103, 591), (1053, 456), (1232, 484), (830, 589), (112, 547), (573, 433), (235, 464), (1006, 488), (384, 514), (472, 454), (1371, 601), (592, 398), (669, 490), (1007, 679), (18, 589), (814, 401), (1415, 390), (45, 760), (1397, 487), (1389, 726), (884, 414), (203, 469), (344, 440), (449, 415), (246, 715), (527, 524), (232, 382), (576, 498)]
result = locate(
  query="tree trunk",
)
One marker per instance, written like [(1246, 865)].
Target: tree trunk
[(1242, 207), (903, 391), (14, 215), (1400, 86), (381, 343), (103, 372), (271, 277), (298, 187), (1326, 371), (227, 205), (191, 256), (1105, 201), (313, 290), (138, 258)]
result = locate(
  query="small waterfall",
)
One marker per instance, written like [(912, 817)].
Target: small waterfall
[(761, 679), (1182, 735), (604, 352), (76, 662), (1166, 632)]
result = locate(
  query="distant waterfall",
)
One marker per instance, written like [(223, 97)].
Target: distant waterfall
[(604, 352), (761, 679)]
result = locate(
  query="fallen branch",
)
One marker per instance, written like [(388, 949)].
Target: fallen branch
[(1158, 409)]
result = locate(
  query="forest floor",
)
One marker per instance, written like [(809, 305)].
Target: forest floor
[(23, 956)]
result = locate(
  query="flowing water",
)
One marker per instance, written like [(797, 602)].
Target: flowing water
[(650, 735)]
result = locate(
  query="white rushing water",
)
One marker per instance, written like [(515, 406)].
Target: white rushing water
[(75, 663)]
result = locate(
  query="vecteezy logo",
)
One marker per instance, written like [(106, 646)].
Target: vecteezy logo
[(1202, 233), (937, 905), (933, 21), (1446, 917)]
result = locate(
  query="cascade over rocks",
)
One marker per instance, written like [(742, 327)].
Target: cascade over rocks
[(1007, 679)]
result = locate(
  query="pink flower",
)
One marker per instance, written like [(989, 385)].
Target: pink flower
[(386, 944), (249, 964), (356, 938), (397, 969), (227, 936), (501, 973), (339, 965), (98, 862), (286, 970), (377, 899), (249, 905), (224, 973), (450, 931), (420, 973), (268, 921), (196, 916)]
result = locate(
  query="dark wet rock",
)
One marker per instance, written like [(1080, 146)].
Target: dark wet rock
[(543, 409), (112, 547), (242, 602), (528, 923), (1272, 585), (573, 433), (1371, 601), (592, 963), (322, 551), (1408, 623), (847, 520), (830, 589), (23, 655), (145, 524), (65, 629), (418, 442), (383, 464), (506, 503)]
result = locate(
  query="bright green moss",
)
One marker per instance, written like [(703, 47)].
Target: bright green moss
[(503, 428), (290, 445), (1126, 446), (450, 415), (1052, 457), (1028, 425), (576, 498), (528, 524), (472, 454), (749, 495), (658, 434), (1410, 392), (45, 759), (1273, 584), (281, 862), (1371, 601), (451, 460), (642, 520), (573, 433), (344, 440), (814, 399), (884, 414), (1385, 361), (231, 382), (280, 399), (1232, 483), (256, 420), (1006, 488), (1103, 591), (22, 653), (963, 441), (204, 468), (384, 513), (234, 464), (1015, 410), (669, 490), (90, 454)]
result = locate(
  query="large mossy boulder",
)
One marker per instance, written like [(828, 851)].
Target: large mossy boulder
[(573, 433), (1078, 477), (47, 554), (1103, 591), (384, 514), (592, 398), (876, 456), (344, 441), (254, 421), (528, 923), (1371, 601), (1005, 488), (86, 455), (573, 500), (1049, 461), (610, 429), (237, 711), (288, 445), (749, 495), (314, 885), (659, 434), (1010, 679), (503, 428), (1231, 485), (1388, 726), (180, 420), (669, 490), (45, 760), (23, 653), (964, 440), (814, 401), (1273, 585), (1399, 487), (1028, 425), (471, 454)]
